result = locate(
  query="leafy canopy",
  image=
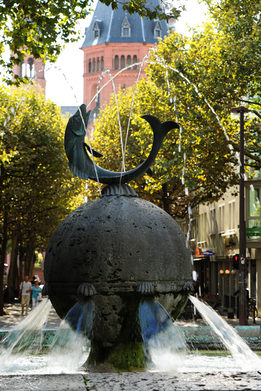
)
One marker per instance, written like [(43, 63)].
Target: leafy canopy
[(41, 27), (195, 80), (37, 188)]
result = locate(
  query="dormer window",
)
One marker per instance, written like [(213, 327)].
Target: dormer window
[(125, 28), (97, 29), (157, 30)]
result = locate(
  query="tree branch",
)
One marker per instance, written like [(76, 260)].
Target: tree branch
[(251, 103)]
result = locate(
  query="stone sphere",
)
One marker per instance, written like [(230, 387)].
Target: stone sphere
[(116, 243)]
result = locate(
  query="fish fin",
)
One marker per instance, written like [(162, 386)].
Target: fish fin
[(168, 125), (92, 151), (153, 121)]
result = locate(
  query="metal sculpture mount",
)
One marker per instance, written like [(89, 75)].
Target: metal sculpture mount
[(113, 254), (82, 164)]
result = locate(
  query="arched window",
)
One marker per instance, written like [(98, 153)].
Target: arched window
[(90, 66), (122, 61), (93, 64), (125, 28), (128, 60), (102, 64), (31, 68), (134, 61), (116, 62), (98, 64)]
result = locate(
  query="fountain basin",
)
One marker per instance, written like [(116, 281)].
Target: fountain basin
[(196, 337)]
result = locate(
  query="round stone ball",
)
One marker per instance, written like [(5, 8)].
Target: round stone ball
[(116, 243)]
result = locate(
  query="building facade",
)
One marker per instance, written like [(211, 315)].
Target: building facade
[(34, 70), (113, 41), (215, 243)]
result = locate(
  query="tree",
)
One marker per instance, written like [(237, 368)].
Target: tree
[(238, 23), (36, 186), (197, 80), (41, 27), (174, 183)]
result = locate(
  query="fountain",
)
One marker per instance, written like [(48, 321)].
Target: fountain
[(111, 268), (116, 253)]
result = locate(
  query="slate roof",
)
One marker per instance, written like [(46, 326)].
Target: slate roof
[(109, 23)]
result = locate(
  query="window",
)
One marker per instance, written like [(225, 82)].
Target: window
[(90, 66), (129, 60), (125, 28), (254, 212), (203, 226), (96, 30), (135, 61), (122, 62), (22, 69), (213, 223), (157, 33), (102, 64), (232, 215), (254, 202), (157, 30), (98, 64), (116, 62), (93, 64), (221, 215), (31, 68)]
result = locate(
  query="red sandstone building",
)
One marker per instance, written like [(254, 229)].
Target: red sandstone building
[(114, 40), (33, 69)]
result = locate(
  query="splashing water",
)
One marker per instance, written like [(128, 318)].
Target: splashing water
[(80, 317), (240, 351), (27, 335), (166, 347), (68, 351), (164, 341), (22, 352)]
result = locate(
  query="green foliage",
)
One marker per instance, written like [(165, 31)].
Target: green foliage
[(207, 171), (41, 27), (195, 81), (37, 188)]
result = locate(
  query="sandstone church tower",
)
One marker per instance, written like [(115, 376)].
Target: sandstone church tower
[(33, 69), (114, 40)]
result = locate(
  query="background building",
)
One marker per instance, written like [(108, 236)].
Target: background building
[(33, 69), (215, 242), (114, 40)]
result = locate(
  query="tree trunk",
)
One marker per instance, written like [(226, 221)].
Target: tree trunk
[(2, 263), (30, 258), (165, 198), (12, 275), (21, 263)]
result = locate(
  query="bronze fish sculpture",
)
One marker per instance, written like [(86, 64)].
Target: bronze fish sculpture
[(82, 164)]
